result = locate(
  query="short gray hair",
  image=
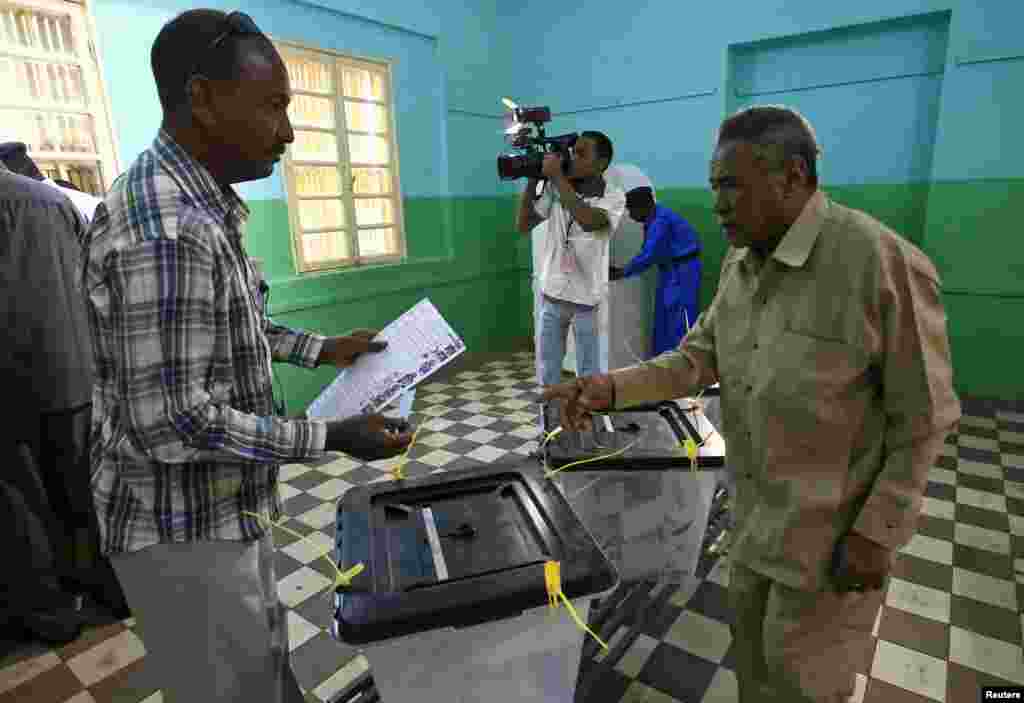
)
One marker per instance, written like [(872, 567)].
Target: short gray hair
[(780, 130)]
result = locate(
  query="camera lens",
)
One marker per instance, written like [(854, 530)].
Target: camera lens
[(511, 167)]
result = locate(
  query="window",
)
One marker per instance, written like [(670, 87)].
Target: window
[(341, 173), (51, 93)]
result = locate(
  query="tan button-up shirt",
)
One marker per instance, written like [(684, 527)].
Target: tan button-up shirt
[(837, 388)]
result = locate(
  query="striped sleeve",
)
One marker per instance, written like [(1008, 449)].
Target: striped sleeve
[(170, 321), (296, 347)]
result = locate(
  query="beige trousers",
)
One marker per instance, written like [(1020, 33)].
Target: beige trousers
[(795, 646)]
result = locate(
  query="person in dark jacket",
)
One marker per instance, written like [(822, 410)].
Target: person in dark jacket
[(47, 374)]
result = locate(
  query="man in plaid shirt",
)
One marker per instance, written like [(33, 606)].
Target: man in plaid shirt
[(185, 441)]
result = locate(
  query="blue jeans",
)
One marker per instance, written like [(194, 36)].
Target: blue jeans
[(555, 317)]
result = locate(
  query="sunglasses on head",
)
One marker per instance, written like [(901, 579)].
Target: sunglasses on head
[(235, 24)]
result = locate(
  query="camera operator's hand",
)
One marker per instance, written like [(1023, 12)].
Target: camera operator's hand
[(552, 165), (368, 437)]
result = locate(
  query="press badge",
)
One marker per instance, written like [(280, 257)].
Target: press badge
[(568, 258)]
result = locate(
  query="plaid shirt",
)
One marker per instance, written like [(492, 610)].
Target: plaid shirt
[(184, 437), (837, 388)]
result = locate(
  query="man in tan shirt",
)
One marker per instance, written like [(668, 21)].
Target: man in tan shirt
[(828, 337)]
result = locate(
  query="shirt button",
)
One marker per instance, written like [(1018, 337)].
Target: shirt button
[(756, 345), (749, 388)]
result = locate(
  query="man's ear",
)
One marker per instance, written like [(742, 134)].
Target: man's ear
[(198, 101), (798, 175)]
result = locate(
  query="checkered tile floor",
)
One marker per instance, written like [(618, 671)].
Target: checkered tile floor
[(951, 621)]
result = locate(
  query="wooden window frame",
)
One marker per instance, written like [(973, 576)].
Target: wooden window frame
[(337, 60), (83, 28)]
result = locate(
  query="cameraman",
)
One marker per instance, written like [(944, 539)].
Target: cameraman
[(581, 211)]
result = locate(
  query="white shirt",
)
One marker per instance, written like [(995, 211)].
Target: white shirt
[(573, 264), (83, 202)]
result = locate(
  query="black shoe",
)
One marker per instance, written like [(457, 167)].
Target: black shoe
[(55, 627)]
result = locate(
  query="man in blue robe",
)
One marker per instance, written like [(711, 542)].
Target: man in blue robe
[(672, 244)]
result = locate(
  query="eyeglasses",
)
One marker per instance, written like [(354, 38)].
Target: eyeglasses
[(236, 23)]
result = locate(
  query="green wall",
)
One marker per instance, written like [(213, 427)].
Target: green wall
[(464, 254), (981, 294)]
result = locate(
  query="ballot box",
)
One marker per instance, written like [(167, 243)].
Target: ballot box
[(632, 484), (452, 603)]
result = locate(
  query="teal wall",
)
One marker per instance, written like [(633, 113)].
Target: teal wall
[(911, 100), (463, 251)]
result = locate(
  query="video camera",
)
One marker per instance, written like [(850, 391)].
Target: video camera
[(532, 147)]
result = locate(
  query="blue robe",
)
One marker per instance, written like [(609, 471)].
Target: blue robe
[(667, 236)]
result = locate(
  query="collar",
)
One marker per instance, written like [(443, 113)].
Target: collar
[(795, 247), (196, 181)]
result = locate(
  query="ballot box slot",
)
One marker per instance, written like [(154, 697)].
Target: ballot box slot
[(433, 583), (459, 549), (461, 530)]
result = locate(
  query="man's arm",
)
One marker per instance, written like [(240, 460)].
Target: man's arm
[(675, 374), (169, 343), (589, 218), (920, 403), (657, 249), (297, 347), (528, 217), (680, 373)]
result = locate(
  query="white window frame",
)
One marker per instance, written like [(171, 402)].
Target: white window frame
[(83, 29), (345, 165)]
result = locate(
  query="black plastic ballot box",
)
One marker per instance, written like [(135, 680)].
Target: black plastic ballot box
[(647, 507), (452, 601)]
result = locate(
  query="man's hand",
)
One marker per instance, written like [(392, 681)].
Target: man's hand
[(860, 564), (581, 397), (343, 351), (551, 166), (368, 437)]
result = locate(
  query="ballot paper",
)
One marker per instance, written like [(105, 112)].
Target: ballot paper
[(419, 343)]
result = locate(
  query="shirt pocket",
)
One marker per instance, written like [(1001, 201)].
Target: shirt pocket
[(810, 404)]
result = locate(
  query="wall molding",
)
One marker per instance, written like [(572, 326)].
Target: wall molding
[(634, 103), (470, 113), (838, 84), (598, 108), (968, 61)]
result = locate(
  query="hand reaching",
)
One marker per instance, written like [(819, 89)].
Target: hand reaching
[(581, 397), (369, 437)]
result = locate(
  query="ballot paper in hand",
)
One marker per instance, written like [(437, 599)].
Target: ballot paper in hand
[(419, 343)]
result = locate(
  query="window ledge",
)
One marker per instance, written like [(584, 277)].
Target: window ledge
[(417, 274)]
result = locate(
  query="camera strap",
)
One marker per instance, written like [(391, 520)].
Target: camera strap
[(568, 255)]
